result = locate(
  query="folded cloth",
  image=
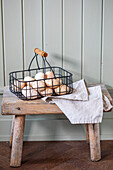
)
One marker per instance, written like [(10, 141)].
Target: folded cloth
[(106, 104), (84, 105)]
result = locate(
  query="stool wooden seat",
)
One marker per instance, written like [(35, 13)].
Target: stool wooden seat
[(11, 105)]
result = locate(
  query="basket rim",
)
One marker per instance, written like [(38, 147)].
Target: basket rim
[(41, 68), (38, 79)]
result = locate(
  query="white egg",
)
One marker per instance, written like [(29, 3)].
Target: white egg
[(28, 79), (28, 92), (63, 89), (39, 76), (38, 85), (47, 92), (50, 74), (19, 84), (53, 83)]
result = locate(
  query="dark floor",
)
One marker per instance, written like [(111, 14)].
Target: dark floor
[(58, 156)]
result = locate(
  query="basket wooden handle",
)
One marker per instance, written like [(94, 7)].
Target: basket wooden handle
[(40, 52)]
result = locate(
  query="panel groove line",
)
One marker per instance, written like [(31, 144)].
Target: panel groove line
[(2, 60), (91, 40), (53, 31), (33, 29), (22, 15), (107, 69), (72, 37), (42, 4), (62, 30), (81, 39), (12, 36), (101, 52)]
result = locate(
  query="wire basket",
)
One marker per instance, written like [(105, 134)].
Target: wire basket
[(42, 81)]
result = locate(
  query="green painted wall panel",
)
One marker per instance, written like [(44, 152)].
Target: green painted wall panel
[(12, 36), (107, 60), (52, 30), (32, 24), (91, 40), (1, 53), (71, 34), (72, 19)]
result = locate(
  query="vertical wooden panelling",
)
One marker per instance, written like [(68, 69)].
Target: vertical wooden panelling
[(52, 19), (32, 28), (1, 53), (12, 36), (107, 72), (67, 29), (72, 37), (91, 39)]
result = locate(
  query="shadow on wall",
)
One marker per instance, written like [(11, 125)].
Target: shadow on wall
[(68, 64), (72, 66), (55, 59), (44, 130), (39, 130), (108, 86), (92, 80), (38, 126)]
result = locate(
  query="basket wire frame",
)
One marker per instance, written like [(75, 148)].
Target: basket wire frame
[(63, 77)]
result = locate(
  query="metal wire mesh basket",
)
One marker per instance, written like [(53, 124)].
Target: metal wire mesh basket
[(42, 81)]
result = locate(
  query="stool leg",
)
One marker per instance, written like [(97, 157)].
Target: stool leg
[(94, 138), (12, 129), (17, 144), (87, 132)]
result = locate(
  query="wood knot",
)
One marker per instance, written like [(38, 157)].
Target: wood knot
[(18, 108)]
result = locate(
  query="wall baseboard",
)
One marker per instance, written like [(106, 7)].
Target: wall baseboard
[(56, 138)]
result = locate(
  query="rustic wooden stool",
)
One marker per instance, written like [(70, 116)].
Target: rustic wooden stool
[(11, 105)]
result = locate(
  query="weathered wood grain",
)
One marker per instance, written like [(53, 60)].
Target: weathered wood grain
[(94, 137), (12, 105), (40, 52), (87, 132), (12, 130), (17, 144)]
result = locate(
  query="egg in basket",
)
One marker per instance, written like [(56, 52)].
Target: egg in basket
[(42, 81)]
